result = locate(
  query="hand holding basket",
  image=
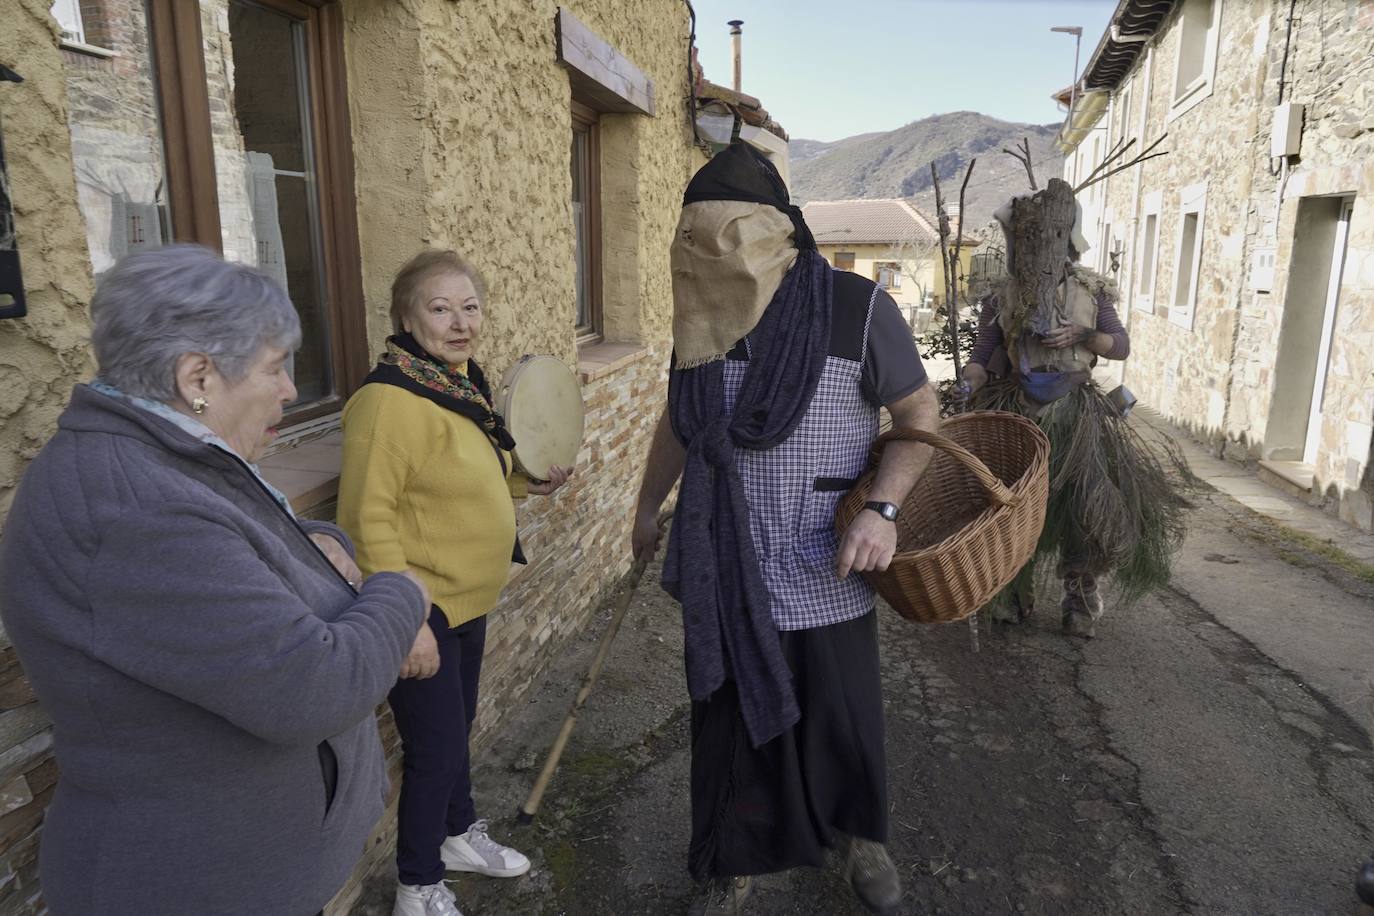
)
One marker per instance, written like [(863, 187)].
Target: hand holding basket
[(971, 521)]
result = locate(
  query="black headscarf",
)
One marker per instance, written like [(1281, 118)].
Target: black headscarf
[(711, 567), (740, 172)]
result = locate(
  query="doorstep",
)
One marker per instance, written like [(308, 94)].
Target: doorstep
[(1292, 477)]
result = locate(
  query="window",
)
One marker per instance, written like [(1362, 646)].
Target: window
[(1199, 28), (1149, 253), (844, 260), (1192, 208), (79, 31), (68, 16), (121, 174), (1123, 129), (586, 207), (242, 145), (888, 274)]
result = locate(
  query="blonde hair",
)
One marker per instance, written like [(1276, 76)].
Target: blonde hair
[(405, 289)]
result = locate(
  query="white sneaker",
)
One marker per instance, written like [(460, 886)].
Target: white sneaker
[(425, 900), (475, 851)]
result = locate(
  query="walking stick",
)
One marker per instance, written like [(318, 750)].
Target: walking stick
[(622, 604)]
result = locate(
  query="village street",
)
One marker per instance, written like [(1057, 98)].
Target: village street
[(1207, 753)]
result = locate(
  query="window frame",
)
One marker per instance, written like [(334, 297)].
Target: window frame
[(1184, 98), (1192, 201), (1152, 206), (587, 120), (184, 106), (894, 269), (844, 254), (69, 20), (74, 35)]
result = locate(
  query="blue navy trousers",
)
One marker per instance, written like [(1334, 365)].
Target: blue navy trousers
[(434, 718)]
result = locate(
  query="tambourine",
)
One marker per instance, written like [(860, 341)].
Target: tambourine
[(542, 402)]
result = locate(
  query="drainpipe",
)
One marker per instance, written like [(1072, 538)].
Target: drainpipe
[(735, 33)]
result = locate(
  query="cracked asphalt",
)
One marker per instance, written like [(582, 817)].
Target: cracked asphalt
[(1206, 754)]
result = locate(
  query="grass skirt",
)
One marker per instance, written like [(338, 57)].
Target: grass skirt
[(1113, 508)]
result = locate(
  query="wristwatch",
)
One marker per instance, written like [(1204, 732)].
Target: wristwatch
[(886, 510)]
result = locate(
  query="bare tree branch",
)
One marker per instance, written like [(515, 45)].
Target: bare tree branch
[(1023, 156), (1118, 149), (954, 268), (1144, 156), (950, 261)]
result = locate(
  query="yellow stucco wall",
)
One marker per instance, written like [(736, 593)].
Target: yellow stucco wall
[(43, 355), (461, 124)]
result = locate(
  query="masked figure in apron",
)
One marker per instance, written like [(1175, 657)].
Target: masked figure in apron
[(780, 367)]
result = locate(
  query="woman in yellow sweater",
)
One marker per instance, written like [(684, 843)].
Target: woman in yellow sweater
[(427, 486)]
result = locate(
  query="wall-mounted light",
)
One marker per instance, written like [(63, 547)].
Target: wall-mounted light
[(11, 279)]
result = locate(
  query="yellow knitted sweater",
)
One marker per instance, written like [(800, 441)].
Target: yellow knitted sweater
[(421, 489)]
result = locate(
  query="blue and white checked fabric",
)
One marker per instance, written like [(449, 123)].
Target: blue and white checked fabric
[(793, 523)]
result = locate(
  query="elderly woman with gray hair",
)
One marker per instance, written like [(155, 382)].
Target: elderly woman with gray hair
[(211, 663)]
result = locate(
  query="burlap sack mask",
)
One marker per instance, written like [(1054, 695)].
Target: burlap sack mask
[(728, 258)]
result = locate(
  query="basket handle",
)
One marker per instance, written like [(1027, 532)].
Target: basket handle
[(996, 490)]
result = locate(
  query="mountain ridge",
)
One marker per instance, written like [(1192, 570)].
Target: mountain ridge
[(896, 163)]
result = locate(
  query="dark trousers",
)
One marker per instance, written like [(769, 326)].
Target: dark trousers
[(434, 717)]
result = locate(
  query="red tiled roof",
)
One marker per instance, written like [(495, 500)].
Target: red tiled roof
[(880, 221)]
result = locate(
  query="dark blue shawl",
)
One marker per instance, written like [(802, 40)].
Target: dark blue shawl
[(711, 567)]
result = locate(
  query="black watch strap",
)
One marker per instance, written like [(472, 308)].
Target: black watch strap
[(886, 510)]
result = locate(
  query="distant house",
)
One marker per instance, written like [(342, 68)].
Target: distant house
[(1246, 255), (888, 241)]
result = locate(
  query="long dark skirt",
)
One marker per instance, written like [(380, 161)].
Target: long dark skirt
[(760, 810)]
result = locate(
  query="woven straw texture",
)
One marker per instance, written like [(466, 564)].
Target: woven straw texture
[(972, 520)]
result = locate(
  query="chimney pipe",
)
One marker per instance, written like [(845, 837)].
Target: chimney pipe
[(735, 33)]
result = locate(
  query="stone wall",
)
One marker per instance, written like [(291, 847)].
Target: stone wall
[(1219, 377), (41, 356), (1183, 368)]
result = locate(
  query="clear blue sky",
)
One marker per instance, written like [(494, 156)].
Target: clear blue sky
[(828, 69)]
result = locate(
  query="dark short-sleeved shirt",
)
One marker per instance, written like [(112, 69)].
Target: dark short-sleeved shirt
[(892, 367)]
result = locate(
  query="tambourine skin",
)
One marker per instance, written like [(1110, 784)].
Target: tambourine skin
[(542, 402)]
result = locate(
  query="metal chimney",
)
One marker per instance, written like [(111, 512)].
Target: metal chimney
[(735, 33)]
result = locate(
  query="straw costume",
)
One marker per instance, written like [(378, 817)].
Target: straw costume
[(780, 366), (1113, 509)]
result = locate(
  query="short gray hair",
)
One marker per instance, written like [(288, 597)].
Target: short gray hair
[(155, 306)]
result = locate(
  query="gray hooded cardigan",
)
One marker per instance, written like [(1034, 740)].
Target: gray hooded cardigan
[(194, 650)]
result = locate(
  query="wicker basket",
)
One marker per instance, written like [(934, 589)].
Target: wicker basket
[(972, 520)]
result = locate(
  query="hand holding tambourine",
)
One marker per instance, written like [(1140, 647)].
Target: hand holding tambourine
[(557, 477), (542, 402)]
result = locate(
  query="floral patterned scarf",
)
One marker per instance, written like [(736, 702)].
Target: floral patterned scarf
[(406, 365)]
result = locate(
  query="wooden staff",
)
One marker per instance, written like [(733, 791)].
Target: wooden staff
[(622, 604)]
